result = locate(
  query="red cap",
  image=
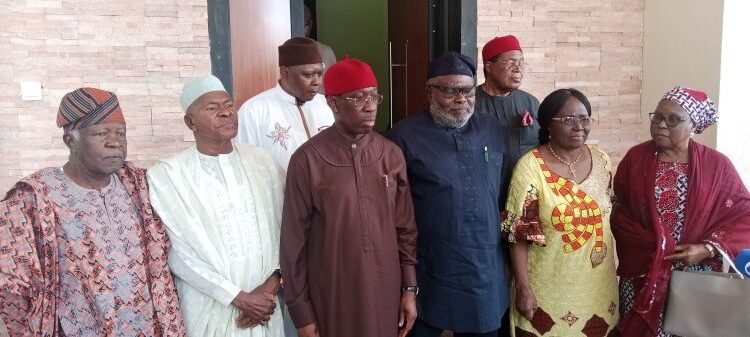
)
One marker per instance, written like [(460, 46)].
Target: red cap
[(348, 75), (499, 45)]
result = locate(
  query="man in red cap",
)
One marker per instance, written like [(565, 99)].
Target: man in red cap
[(82, 252), (284, 117), (347, 233), (501, 97)]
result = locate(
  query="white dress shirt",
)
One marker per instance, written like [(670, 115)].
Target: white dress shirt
[(274, 121)]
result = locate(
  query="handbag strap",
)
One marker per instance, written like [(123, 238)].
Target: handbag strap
[(728, 260)]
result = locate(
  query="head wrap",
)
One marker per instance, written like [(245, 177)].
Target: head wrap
[(196, 88), (498, 46), (84, 107), (700, 108), (451, 63), (297, 51), (348, 75)]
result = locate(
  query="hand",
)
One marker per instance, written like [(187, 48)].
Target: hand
[(256, 307), (526, 302), (408, 313), (272, 285), (689, 254), (310, 330), (245, 321)]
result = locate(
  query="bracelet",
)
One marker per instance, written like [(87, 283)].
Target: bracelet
[(711, 249)]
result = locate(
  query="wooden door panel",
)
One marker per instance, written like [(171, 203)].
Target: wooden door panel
[(409, 38), (258, 27)]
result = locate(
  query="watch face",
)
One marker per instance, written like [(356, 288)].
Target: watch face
[(411, 289)]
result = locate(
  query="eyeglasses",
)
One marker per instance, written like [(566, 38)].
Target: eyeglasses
[(572, 121), (510, 64), (451, 92), (671, 121), (360, 101)]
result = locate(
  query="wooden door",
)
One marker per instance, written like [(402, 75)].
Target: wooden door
[(258, 28), (408, 32)]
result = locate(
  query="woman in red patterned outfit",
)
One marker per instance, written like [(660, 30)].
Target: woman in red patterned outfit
[(678, 203)]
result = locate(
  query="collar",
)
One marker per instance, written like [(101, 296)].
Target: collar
[(348, 143), (287, 97)]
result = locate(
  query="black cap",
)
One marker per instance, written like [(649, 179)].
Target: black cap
[(452, 63)]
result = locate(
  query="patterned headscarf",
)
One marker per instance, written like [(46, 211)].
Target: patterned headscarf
[(700, 108), (84, 107)]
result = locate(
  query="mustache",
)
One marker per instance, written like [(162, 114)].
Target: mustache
[(466, 107)]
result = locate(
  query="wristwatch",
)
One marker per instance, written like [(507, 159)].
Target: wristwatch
[(277, 273), (411, 289)]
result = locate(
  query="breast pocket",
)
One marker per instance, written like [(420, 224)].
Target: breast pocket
[(389, 185), (528, 137)]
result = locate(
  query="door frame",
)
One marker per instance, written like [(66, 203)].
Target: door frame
[(220, 42), (448, 32), (451, 32)]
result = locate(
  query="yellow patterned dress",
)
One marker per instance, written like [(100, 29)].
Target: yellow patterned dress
[(571, 256)]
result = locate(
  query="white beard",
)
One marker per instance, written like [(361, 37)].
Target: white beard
[(443, 116)]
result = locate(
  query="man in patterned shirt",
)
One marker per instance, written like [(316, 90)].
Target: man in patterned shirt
[(81, 251)]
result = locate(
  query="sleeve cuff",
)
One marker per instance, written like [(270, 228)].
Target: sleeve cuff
[(226, 292), (302, 314), (408, 275)]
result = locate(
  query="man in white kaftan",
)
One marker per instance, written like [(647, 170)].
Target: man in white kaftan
[(284, 117), (221, 203)]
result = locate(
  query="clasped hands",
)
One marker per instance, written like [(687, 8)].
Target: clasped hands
[(256, 306)]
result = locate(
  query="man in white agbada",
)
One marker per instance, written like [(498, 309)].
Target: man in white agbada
[(284, 117), (221, 204)]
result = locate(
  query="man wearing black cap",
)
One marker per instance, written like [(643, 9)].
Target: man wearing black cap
[(456, 167), (284, 117)]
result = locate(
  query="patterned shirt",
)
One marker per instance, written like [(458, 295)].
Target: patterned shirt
[(671, 191), (78, 262), (99, 235)]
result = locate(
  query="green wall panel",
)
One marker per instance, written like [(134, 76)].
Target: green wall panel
[(360, 29)]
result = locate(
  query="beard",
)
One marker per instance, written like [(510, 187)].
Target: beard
[(443, 116)]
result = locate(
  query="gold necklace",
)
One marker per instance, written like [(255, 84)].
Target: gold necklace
[(570, 165)]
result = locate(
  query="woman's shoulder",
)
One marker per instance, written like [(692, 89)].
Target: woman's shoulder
[(646, 147), (529, 162), (600, 158), (529, 157), (599, 153)]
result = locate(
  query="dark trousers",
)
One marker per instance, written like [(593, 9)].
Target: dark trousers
[(504, 330), (422, 329)]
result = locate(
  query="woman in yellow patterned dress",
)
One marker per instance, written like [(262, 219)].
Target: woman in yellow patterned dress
[(557, 220)]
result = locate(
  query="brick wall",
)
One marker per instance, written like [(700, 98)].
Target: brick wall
[(594, 46), (143, 50)]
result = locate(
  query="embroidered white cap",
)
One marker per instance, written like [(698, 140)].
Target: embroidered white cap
[(198, 87)]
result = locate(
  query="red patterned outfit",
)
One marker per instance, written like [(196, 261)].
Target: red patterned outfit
[(661, 205), (78, 262)]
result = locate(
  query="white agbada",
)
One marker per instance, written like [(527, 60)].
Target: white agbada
[(272, 120), (223, 217)]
